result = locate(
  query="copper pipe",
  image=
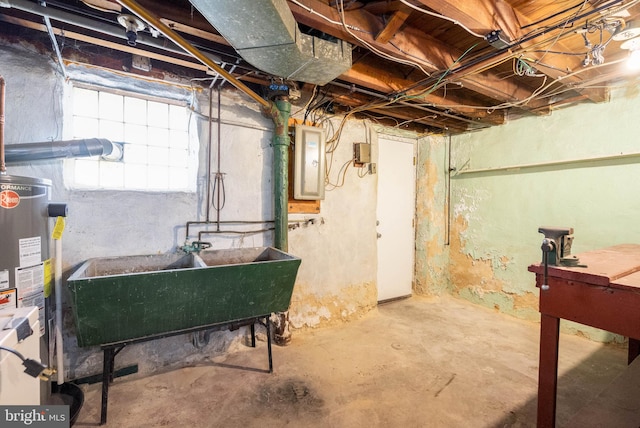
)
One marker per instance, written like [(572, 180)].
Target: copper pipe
[(153, 21), (3, 167)]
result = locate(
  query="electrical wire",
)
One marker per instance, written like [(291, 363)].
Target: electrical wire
[(521, 67), (378, 51), (13, 351), (437, 15), (306, 106), (329, 20), (540, 21), (340, 182), (350, 29), (403, 95), (566, 22), (602, 10)]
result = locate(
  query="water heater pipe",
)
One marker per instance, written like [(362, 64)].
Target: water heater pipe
[(3, 167), (60, 149)]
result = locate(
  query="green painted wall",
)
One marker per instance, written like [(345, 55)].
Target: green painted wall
[(495, 215), (432, 251)]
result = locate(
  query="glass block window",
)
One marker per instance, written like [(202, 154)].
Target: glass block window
[(157, 152)]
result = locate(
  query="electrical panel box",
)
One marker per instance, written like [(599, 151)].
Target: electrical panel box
[(362, 153), (308, 179)]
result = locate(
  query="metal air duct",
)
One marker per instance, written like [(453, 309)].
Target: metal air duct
[(61, 149), (266, 35)]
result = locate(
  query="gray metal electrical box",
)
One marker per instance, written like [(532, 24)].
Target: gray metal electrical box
[(308, 179), (362, 153)]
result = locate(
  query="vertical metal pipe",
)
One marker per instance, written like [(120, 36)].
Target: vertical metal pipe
[(3, 167), (218, 172), (281, 173), (209, 153), (280, 115)]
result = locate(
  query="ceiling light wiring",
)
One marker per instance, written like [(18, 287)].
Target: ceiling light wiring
[(566, 22)]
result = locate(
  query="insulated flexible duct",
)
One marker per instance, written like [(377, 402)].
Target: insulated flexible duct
[(60, 149)]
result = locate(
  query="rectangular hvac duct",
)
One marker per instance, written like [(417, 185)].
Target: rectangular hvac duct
[(266, 35)]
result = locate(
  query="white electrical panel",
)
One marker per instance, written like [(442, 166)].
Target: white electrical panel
[(308, 178)]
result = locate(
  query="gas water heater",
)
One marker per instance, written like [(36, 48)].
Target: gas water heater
[(25, 263)]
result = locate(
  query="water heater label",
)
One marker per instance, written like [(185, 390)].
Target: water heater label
[(12, 194), (30, 280), (4, 279), (30, 251), (9, 199), (8, 299)]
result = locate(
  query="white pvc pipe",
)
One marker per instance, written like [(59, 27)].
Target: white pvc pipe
[(58, 291)]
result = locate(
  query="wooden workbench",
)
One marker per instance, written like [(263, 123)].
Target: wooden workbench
[(605, 295)]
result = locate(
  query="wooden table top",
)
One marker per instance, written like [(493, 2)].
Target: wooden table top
[(617, 266)]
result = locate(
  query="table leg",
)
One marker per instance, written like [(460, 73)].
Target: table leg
[(253, 334), (548, 371), (107, 374), (268, 325), (634, 350)]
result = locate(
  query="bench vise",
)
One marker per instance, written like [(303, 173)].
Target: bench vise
[(556, 246)]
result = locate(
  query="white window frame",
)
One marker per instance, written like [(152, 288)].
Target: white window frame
[(151, 165)]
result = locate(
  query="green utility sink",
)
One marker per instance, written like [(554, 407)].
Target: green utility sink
[(119, 299)]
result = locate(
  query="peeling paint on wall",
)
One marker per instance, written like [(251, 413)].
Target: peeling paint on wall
[(431, 273), (497, 212), (310, 309), (475, 278)]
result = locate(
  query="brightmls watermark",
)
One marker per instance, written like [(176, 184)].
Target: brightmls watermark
[(34, 416)]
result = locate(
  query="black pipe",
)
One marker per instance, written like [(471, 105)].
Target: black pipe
[(58, 149)]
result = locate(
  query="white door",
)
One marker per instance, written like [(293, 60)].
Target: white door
[(395, 214)]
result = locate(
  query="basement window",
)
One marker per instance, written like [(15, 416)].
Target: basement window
[(157, 152)]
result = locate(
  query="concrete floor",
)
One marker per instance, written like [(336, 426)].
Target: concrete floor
[(420, 362)]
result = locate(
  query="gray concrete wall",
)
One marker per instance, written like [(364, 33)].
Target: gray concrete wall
[(336, 280)]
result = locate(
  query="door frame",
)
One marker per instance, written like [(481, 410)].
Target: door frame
[(414, 142)]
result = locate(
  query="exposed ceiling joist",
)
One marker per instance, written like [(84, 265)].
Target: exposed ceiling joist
[(422, 62)]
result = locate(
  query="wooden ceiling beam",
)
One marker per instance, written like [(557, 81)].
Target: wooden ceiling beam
[(123, 47), (388, 81), (399, 113), (483, 16), (480, 16), (410, 45), (396, 21), (428, 52)]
